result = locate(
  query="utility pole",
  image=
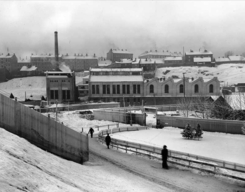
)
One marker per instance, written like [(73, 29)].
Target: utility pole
[(184, 84)]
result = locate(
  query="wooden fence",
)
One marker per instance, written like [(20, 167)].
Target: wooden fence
[(212, 125), (215, 166), (43, 131), (120, 115)]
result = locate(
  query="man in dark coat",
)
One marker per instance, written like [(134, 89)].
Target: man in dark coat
[(91, 131), (108, 140), (164, 157)]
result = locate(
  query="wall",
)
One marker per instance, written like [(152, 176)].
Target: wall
[(43, 131), (223, 126), (119, 116)]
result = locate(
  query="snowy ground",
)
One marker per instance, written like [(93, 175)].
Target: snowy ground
[(25, 167), (220, 146)]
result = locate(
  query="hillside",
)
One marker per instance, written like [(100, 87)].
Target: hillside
[(228, 74)]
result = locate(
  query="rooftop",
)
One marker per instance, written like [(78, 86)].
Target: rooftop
[(9, 55), (156, 53), (220, 59), (173, 59), (117, 78), (204, 59), (121, 51), (199, 52), (236, 58), (116, 69)]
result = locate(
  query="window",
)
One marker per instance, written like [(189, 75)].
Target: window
[(93, 89), (104, 89), (138, 89), (124, 89), (196, 89), (64, 94), (68, 94), (52, 94), (211, 88), (114, 89), (181, 88), (166, 89), (97, 89), (151, 88), (108, 89), (128, 89), (118, 89), (134, 89)]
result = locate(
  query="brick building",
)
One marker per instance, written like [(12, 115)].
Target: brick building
[(118, 54), (193, 57), (9, 62)]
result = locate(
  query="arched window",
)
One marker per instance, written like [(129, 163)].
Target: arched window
[(151, 88), (166, 89), (196, 89), (211, 88), (181, 88)]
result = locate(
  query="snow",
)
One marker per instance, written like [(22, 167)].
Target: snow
[(228, 74), (220, 146), (117, 78), (25, 68)]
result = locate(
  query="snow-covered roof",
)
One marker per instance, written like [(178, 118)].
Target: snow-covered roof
[(236, 101), (136, 61), (116, 69), (104, 63), (79, 57), (146, 61), (220, 59), (173, 59), (25, 68), (198, 53), (204, 59), (124, 61), (159, 53), (44, 56), (9, 55), (123, 51), (236, 58), (117, 78)]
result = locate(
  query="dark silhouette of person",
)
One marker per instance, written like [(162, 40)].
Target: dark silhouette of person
[(108, 140), (164, 157), (91, 131)]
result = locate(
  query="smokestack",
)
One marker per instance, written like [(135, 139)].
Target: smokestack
[(56, 50)]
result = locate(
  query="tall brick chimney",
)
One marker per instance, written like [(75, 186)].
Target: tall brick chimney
[(56, 50)]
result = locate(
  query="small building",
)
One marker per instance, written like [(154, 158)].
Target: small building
[(202, 61), (118, 54), (191, 55), (236, 59), (60, 87), (9, 62), (222, 60)]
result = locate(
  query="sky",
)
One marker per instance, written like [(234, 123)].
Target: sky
[(138, 26)]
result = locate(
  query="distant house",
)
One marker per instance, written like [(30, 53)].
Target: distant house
[(236, 59), (173, 60), (118, 54), (9, 62), (154, 54), (222, 60), (195, 57)]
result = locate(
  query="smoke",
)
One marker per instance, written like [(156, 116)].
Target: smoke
[(64, 68)]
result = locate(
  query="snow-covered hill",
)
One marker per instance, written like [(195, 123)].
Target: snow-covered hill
[(228, 74)]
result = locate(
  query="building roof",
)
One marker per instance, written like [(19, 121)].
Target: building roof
[(173, 59), (25, 68), (45, 56), (116, 69), (9, 55), (124, 61), (117, 78), (204, 59), (236, 58), (198, 53), (159, 53), (122, 51), (222, 59), (136, 61), (104, 63), (78, 57)]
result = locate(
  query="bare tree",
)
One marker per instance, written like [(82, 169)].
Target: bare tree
[(203, 107), (185, 105), (228, 53)]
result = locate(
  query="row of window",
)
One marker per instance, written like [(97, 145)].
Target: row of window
[(115, 73), (116, 89), (181, 88), (56, 81), (66, 94)]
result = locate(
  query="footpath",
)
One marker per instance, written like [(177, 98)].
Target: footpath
[(174, 178)]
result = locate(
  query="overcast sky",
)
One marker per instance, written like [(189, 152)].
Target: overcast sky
[(95, 27)]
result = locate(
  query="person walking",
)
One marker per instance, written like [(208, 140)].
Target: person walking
[(108, 140), (164, 157), (91, 131)]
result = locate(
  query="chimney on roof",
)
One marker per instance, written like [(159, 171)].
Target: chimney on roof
[(56, 50)]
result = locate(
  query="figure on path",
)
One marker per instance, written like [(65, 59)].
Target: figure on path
[(91, 131), (108, 140), (164, 157)]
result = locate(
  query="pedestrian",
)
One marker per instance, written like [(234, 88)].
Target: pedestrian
[(91, 131), (108, 140), (164, 157)]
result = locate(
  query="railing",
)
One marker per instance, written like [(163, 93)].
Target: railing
[(215, 166)]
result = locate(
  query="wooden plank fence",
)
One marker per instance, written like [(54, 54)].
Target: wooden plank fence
[(43, 131)]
